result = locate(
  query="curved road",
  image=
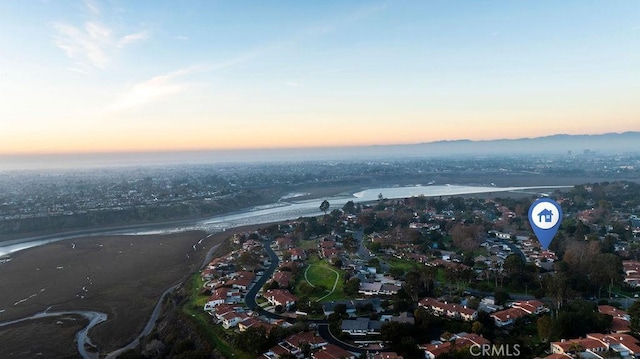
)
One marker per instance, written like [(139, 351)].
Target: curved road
[(325, 333), (323, 325), (250, 298)]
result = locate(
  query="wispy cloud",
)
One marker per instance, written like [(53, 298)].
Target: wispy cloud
[(173, 83), (131, 38), (92, 6), (85, 46), (93, 44), (156, 88)]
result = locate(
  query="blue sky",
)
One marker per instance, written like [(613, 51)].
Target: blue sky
[(102, 76)]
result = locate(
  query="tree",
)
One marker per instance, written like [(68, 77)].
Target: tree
[(634, 313), (501, 296), (349, 207), (477, 327), (324, 206), (545, 325), (340, 309), (466, 237), (513, 265), (350, 244), (413, 285), (253, 340), (352, 286)]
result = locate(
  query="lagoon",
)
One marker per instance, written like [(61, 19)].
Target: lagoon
[(276, 212)]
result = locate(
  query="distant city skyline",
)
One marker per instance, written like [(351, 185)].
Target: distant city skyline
[(121, 76)]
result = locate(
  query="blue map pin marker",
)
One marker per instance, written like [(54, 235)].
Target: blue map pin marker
[(545, 216)]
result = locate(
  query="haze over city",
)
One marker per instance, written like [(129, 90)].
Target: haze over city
[(117, 76)]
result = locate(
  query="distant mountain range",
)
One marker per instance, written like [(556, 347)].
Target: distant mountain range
[(608, 143), (562, 144)]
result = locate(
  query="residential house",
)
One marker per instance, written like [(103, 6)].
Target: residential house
[(352, 305), (280, 297), (578, 346), (361, 326), (283, 278), (278, 351), (231, 319), (534, 307), (218, 311), (404, 317), (457, 342), (284, 243), (449, 310), (507, 317), (253, 322), (298, 254), (368, 288), (241, 280), (293, 345), (385, 355), (223, 295), (332, 351), (632, 273), (621, 320), (329, 253), (623, 345), (291, 265), (435, 349), (250, 244), (314, 341), (389, 289)]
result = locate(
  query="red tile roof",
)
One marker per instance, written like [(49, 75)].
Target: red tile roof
[(612, 311), (529, 306), (437, 349), (511, 313), (282, 278), (331, 351), (305, 337), (281, 296)]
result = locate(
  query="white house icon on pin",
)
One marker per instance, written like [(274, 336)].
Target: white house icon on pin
[(545, 215)]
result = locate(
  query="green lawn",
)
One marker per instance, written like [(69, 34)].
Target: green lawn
[(403, 264), (319, 275), (322, 273)]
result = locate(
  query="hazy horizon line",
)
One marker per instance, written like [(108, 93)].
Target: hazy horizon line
[(286, 148), (625, 142)]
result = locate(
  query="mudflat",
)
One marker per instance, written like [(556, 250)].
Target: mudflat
[(121, 276), (42, 338)]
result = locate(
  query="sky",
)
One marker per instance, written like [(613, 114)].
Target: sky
[(121, 76)]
